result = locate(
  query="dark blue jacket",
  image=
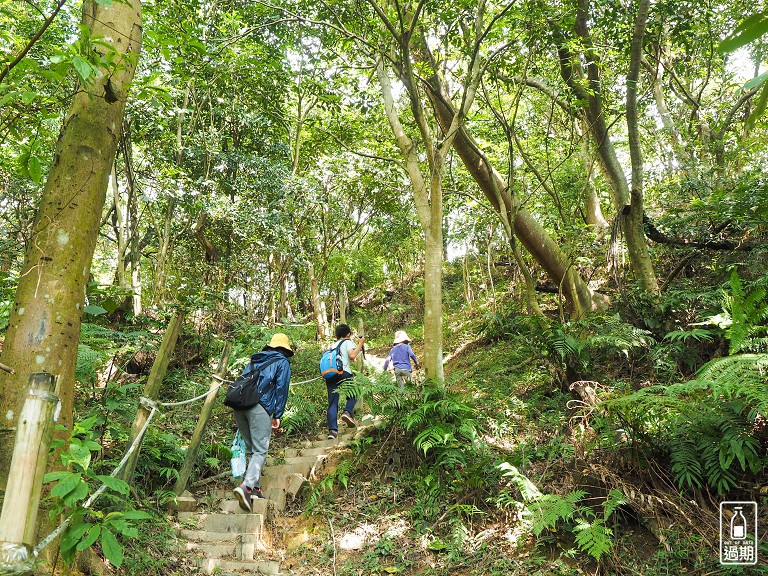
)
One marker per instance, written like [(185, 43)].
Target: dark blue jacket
[(280, 372)]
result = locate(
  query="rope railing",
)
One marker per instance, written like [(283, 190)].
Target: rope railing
[(153, 407)]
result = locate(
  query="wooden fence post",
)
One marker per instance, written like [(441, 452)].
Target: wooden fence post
[(202, 422), (18, 521), (151, 389)]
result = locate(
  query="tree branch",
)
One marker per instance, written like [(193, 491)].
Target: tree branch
[(47, 22)]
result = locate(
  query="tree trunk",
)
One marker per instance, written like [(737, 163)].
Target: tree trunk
[(516, 219), (121, 232), (44, 326), (433, 291), (570, 70), (318, 306), (343, 303), (635, 233)]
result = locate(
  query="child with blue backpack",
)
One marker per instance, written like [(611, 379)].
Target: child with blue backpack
[(346, 351)]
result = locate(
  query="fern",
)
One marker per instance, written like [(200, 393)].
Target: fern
[(550, 509), (594, 538), (686, 463), (88, 361), (743, 318), (615, 499), (697, 334), (748, 312)]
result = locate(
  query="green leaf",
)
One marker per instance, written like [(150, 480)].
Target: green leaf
[(54, 476), (35, 171), (66, 485), (84, 69), (79, 493), (124, 528), (79, 454), (91, 537), (94, 310), (749, 30), (136, 515), (114, 484), (762, 101), (73, 534), (111, 548), (756, 81)]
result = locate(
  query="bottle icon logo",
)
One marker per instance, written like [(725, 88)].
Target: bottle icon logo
[(738, 524), (738, 533)]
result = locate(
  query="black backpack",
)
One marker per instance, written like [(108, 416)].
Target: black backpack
[(244, 392)]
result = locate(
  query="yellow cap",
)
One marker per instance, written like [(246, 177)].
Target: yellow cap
[(280, 340)]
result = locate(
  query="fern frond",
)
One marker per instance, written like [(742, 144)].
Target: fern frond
[(594, 538)]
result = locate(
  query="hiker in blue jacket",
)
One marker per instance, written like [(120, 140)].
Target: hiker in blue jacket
[(348, 352), (256, 424), (400, 357)]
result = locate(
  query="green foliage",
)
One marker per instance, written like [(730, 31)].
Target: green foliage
[(443, 426), (72, 487), (592, 536), (323, 489), (579, 344), (744, 317), (705, 425)]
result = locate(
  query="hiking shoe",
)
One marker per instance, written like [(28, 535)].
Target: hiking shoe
[(332, 434), (348, 420), (244, 495), (257, 493)]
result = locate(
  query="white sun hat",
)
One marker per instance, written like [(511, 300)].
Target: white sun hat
[(401, 336)]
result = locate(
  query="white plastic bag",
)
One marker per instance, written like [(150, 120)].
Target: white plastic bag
[(238, 460)]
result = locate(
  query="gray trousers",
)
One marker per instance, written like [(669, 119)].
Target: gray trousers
[(255, 427), (402, 377)]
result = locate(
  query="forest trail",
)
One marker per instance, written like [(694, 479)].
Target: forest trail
[(217, 537)]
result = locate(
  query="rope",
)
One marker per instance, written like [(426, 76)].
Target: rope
[(196, 398), (88, 503), (292, 383), (152, 406), (306, 381)]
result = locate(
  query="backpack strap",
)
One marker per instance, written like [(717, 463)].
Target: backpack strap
[(260, 368)]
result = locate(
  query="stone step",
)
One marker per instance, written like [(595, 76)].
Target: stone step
[(231, 550), (215, 537), (227, 523), (294, 452), (238, 547), (260, 506), (219, 565)]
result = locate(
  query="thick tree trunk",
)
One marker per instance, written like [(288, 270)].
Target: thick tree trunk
[(44, 326), (433, 301), (429, 208), (516, 219)]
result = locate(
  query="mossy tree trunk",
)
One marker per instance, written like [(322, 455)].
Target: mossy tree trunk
[(44, 326)]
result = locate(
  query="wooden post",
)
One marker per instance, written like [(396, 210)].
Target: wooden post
[(151, 389), (18, 522), (202, 422), (361, 334)]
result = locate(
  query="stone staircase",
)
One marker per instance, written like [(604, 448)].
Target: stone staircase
[(230, 540)]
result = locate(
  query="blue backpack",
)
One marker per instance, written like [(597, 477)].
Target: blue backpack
[(330, 362)]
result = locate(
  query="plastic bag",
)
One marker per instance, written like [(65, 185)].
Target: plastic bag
[(238, 460)]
